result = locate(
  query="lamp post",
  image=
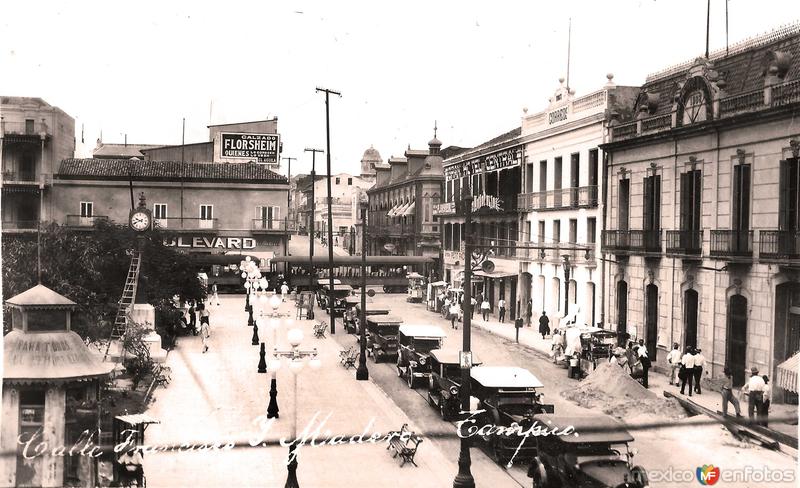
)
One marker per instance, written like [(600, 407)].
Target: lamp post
[(362, 373), (565, 264), (464, 477), (297, 358)]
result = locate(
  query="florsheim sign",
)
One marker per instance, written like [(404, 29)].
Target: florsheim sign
[(257, 147)]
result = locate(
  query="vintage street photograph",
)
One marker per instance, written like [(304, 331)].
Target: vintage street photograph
[(462, 244)]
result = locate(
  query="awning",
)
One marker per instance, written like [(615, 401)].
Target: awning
[(137, 419), (495, 274), (400, 209), (393, 211), (787, 374), (409, 210)]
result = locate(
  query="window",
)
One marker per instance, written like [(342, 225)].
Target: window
[(528, 178), (741, 197), (789, 204), (691, 184), (338, 180), (541, 231), (267, 217), (542, 175), (652, 202), (206, 212), (87, 209), (623, 208), (556, 231), (31, 412), (558, 196), (593, 167), (349, 181), (160, 211), (448, 196), (573, 230), (30, 129), (529, 231), (591, 230)]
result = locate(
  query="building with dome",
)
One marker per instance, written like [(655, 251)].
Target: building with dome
[(369, 161)]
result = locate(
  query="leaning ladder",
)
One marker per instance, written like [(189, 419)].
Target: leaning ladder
[(126, 302)]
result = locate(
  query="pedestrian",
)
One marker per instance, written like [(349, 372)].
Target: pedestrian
[(687, 370), (480, 297), (284, 291), (501, 305), (205, 334), (204, 317), (754, 389), (674, 360), (699, 362), (727, 394), (544, 325), (763, 414), (485, 309), (645, 360), (558, 345), (214, 293), (454, 315), (473, 304), (529, 313), (446, 306), (192, 318)]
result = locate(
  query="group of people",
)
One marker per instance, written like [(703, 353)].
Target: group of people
[(450, 305), (687, 368), (189, 320)]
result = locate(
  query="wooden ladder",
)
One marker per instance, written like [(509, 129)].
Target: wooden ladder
[(126, 301)]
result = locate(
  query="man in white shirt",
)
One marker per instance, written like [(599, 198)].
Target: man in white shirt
[(674, 360), (688, 370), (501, 305), (754, 388), (699, 363), (645, 360)]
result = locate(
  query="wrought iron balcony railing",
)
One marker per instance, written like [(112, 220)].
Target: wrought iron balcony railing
[(272, 225), (779, 244), (563, 198), (685, 242), (186, 223), (634, 241), (731, 243)]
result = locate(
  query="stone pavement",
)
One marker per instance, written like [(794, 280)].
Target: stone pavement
[(658, 382), (218, 396)]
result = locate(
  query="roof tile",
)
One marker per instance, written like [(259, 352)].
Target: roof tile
[(166, 170)]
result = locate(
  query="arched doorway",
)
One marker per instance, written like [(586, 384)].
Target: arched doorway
[(690, 302), (555, 295), (736, 352), (622, 309), (651, 320), (589, 304), (525, 294)]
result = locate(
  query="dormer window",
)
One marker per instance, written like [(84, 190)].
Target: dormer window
[(694, 109), (558, 97), (694, 102)]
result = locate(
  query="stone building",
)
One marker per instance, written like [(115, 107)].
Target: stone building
[(702, 220)]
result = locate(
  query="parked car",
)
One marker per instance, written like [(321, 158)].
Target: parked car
[(413, 355), (444, 382), (599, 456), (508, 395), (382, 336), (339, 294)]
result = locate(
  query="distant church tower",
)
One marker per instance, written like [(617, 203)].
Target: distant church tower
[(371, 158)]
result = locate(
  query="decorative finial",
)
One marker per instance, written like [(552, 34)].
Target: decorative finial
[(740, 155), (435, 128), (795, 144)]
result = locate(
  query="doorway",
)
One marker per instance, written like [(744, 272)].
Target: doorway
[(651, 325), (690, 301), (787, 331), (736, 352), (590, 304), (622, 310)]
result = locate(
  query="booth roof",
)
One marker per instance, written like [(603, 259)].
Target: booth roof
[(40, 295), (49, 356)]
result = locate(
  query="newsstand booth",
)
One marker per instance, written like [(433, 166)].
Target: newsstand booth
[(51, 385)]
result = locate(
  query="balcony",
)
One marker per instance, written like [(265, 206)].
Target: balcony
[(25, 178), (632, 241), (32, 130), (84, 221), (731, 243), (259, 226), (779, 244), (563, 198), (684, 242), (19, 226), (187, 224)]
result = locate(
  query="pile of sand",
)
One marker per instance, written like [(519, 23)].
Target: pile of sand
[(610, 389)]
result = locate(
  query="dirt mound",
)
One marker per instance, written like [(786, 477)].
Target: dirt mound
[(610, 389)]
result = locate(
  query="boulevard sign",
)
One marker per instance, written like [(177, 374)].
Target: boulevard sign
[(211, 242), (257, 147)]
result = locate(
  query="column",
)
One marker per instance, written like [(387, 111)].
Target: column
[(9, 429), (53, 434)]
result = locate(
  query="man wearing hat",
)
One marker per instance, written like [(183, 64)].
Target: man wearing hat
[(754, 388), (699, 363)]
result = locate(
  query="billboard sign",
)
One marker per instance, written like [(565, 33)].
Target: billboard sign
[(263, 148)]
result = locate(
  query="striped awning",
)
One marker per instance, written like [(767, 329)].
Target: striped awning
[(409, 210), (393, 211), (787, 374)]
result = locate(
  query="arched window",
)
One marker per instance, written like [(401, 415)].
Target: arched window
[(694, 104)]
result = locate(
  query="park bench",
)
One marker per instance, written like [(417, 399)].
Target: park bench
[(319, 330), (162, 375), (349, 356), (405, 443)]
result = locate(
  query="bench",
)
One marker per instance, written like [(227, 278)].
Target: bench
[(405, 443), (319, 330), (348, 357)]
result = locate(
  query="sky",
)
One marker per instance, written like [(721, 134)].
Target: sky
[(139, 68)]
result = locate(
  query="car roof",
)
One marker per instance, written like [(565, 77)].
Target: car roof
[(451, 356), (384, 319), (505, 377), (326, 281), (352, 299), (338, 287), (590, 428), (415, 330)]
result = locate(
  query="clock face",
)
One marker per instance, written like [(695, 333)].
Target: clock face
[(140, 221)]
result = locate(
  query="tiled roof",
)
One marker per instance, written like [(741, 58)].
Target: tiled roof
[(742, 69), (129, 150), (166, 171)]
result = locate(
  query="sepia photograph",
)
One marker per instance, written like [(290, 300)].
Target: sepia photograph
[(462, 244)]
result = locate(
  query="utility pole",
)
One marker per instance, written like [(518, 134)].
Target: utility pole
[(330, 201), (312, 281), (288, 210)]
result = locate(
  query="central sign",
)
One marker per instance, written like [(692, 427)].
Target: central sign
[(506, 158), (257, 147), (211, 242)]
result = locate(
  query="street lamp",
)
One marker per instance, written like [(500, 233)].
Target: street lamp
[(362, 373), (274, 323), (566, 266), (297, 358)]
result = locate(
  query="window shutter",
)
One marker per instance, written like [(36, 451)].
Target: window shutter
[(259, 212), (737, 198), (697, 197), (648, 203), (745, 192), (783, 197), (656, 223), (685, 218), (624, 193)]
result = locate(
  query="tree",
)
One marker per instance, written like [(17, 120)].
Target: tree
[(90, 269)]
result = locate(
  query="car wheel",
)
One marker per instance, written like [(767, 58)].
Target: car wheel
[(374, 355), (399, 371), (443, 410), (639, 476), (538, 472), (410, 377)]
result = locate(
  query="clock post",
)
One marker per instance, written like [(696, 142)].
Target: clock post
[(140, 221)]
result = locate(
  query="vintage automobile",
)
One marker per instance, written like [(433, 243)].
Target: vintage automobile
[(339, 294), (508, 396), (322, 297), (351, 313), (444, 382), (413, 355), (599, 456), (382, 336)]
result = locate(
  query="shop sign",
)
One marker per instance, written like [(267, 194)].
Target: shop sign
[(257, 147), (445, 208), (451, 257), (495, 161), (211, 242), (559, 115), (487, 201)]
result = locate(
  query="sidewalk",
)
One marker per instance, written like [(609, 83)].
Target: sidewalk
[(217, 397), (658, 382)]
